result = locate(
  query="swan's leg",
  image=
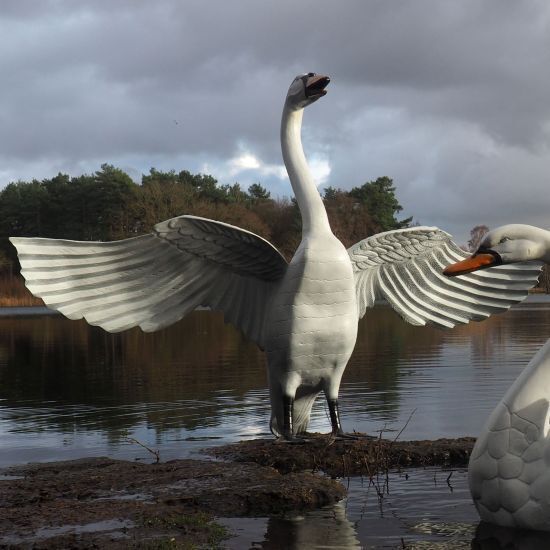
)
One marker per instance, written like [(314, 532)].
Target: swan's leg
[(332, 388), (288, 403), (334, 416), (289, 386), (337, 430), (287, 430)]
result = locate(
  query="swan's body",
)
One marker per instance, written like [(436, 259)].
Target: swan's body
[(311, 328), (509, 470), (303, 314)]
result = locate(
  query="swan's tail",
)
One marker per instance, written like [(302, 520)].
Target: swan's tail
[(301, 411)]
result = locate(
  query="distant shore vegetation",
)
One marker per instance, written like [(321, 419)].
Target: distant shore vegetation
[(108, 205)]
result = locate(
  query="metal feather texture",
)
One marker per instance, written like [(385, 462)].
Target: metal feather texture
[(404, 267), (154, 280)]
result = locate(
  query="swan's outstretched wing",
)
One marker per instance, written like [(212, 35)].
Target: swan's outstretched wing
[(405, 268), (154, 280)]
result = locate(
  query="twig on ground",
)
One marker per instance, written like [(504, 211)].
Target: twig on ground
[(156, 453), (406, 424)]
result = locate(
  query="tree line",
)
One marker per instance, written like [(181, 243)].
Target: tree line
[(108, 205)]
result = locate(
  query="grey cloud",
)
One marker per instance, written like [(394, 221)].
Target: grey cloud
[(417, 88)]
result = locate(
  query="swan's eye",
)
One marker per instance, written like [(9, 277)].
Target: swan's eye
[(503, 240)]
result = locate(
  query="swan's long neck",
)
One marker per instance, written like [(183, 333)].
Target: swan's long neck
[(312, 209)]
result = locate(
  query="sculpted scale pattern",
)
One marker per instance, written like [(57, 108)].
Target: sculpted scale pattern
[(509, 470)]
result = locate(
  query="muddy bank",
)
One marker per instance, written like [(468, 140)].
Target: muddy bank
[(341, 458), (100, 502)]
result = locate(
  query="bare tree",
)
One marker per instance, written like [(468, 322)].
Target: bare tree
[(476, 236)]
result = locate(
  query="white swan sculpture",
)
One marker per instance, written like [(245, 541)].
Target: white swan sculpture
[(509, 469), (304, 314)]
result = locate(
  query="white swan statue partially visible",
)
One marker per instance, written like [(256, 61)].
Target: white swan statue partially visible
[(509, 469), (304, 314)]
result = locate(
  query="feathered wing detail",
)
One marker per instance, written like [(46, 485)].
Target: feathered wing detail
[(404, 267), (154, 280)]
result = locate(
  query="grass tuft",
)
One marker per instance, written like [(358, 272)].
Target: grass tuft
[(196, 525)]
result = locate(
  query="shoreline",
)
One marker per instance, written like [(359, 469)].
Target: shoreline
[(24, 308), (13, 311), (118, 503)]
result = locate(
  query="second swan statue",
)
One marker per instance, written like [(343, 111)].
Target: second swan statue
[(303, 314), (509, 469)]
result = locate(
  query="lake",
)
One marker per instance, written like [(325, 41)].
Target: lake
[(68, 390)]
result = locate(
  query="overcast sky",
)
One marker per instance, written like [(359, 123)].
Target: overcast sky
[(450, 99)]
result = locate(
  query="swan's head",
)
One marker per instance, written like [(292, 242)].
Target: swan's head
[(306, 89), (505, 245)]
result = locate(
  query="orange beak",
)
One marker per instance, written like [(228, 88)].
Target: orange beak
[(473, 263)]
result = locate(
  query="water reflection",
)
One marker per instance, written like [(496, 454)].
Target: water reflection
[(326, 528), (420, 509), (69, 390), (451, 379), (50, 361), (414, 510), (492, 537)]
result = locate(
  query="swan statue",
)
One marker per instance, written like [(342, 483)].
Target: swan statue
[(304, 314), (509, 469)]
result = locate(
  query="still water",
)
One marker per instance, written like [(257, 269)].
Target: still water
[(69, 390)]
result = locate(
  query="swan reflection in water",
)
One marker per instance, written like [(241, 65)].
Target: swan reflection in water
[(417, 510), (326, 528), (494, 537)]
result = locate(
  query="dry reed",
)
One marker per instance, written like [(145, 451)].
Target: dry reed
[(14, 293)]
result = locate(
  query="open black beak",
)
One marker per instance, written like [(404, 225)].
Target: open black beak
[(315, 85), (482, 259)]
